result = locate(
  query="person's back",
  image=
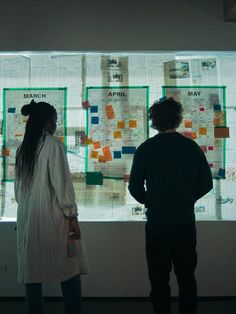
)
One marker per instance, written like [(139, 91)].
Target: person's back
[(168, 175), (175, 170)]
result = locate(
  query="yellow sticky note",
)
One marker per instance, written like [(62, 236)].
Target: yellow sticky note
[(120, 124), (61, 138), (202, 131), (133, 123), (96, 145), (188, 124), (117, 134), (94, 154), (110, 112), (101, 158), (88, 141)]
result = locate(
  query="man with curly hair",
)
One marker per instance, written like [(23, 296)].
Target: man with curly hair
[(169, 174)]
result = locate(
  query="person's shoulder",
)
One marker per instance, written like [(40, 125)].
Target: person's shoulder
[(144, 145), (52, 140), (189, 142)]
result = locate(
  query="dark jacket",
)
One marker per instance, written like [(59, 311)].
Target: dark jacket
[(169, 173)]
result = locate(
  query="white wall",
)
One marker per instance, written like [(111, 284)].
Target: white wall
[(115, 25), (117, 260)]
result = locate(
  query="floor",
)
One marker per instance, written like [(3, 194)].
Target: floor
[(119, 306)]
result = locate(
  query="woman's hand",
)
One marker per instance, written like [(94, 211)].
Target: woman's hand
[(74, 229)]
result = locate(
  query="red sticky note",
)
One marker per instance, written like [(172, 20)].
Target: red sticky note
[(221, 132), (85, 104)]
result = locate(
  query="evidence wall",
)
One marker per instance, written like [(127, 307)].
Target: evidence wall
[(102, 100)]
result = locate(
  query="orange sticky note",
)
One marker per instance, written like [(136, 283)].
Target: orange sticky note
[(133, 123), (94, 154), (110, 112), (117, 134), (61, 138), (5, 152), (107, 153), (202, 131), (120, 124), (188, 124), (221, 132), (96, 145), (194, 135), (101, 158)]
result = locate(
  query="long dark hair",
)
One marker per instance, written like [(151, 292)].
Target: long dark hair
[(39, 115)]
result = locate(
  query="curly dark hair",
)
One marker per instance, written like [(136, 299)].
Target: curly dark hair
[(165, 114)]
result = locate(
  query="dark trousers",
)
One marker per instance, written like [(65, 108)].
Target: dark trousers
[(71, 290), (171, 239)]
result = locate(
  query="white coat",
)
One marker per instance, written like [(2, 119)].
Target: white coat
[(42, 219)]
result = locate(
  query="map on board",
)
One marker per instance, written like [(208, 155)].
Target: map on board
[(204, 121), (14, 121), (116, 126)]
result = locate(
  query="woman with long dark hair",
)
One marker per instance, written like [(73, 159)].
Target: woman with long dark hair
[(47, 213)]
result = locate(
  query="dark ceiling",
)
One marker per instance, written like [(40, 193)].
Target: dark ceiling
[(229, 10)]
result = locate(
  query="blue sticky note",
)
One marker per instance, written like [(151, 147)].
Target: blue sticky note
[(221, 173), (117, 154), (94, 109), (95, 120), (128, 149), (11, 110), (217, 107)]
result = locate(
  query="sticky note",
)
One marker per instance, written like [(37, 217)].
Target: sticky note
[(117, 134), (19, 134), (117, 154), (188, 124), (217, 107), (5, 152), (201, 109), (85, 104), (94, 178), (101, 158), (107, 153), (126, 177), (96, 145), (132, 123), (194, 135), (221, 173), (128, 149), (216, 121), (94, 120), (93, 109), (61, 138), (94, 154), (202, 131), (210, 147), (110, 112), (120, 124), (88, 140), (221, 132), (11, 110)]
